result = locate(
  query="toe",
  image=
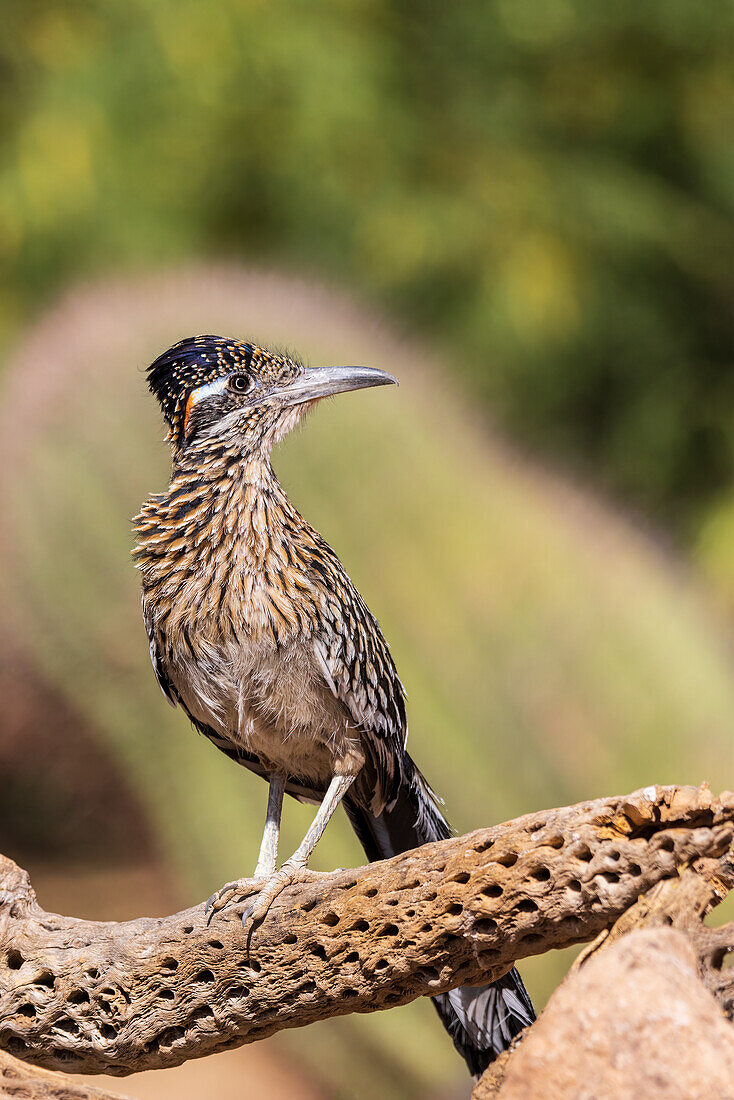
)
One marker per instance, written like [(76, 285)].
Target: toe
[(269, 891), (231, 891)]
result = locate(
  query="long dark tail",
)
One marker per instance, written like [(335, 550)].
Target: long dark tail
[(481, 1020)]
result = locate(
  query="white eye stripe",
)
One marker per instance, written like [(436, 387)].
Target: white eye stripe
[(208, 390)]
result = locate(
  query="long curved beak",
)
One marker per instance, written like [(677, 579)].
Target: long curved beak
[(317, 382)]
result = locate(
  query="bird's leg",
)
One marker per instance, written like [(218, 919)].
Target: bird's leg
[(266, 861), (294, 868)]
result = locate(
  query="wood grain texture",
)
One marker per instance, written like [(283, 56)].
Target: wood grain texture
[(93, 997), (681, 903)]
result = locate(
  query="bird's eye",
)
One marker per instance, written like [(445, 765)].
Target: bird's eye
[(240, 383)]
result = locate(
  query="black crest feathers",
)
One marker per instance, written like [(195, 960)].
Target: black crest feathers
[(190, 363)]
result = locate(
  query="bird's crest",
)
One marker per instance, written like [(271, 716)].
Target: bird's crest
[(193, 362)]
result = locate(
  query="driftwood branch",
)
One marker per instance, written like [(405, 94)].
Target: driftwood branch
[(622, 1046), (96, 997)]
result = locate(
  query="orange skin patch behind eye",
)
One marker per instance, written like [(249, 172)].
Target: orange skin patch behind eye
[(187, 410)]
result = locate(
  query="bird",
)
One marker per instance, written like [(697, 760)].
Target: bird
[(258, 633)]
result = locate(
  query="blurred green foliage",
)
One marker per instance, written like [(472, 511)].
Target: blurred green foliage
[(545, 188)]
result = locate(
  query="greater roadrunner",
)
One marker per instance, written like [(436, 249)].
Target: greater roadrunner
[(258, 633)]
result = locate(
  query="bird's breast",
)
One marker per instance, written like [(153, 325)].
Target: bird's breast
[(236, 585), (269, 699)]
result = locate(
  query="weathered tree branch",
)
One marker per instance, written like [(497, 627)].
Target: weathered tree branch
[(118, 998), (681, 903)]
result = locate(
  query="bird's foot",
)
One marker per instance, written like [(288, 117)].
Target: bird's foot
[(238, 890), (290, 873)]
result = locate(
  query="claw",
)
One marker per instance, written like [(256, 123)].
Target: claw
[(220, 899), (288, 874)]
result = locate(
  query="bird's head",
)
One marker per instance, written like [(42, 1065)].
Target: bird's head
[(218, 389)]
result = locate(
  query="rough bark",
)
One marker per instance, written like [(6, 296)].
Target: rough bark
[(681, 902), (118, 998)]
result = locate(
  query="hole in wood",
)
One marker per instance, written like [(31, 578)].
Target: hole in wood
[(483, 845), (170, 1036), (238, 992), (70, 1027), (78, 997), (429, 974), (14, 1044), (201, 1016)]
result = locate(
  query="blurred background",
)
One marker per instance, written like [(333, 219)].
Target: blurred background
[(523, 210)]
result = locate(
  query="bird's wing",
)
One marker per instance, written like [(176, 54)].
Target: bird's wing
[(356, 663), (156, 658)]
